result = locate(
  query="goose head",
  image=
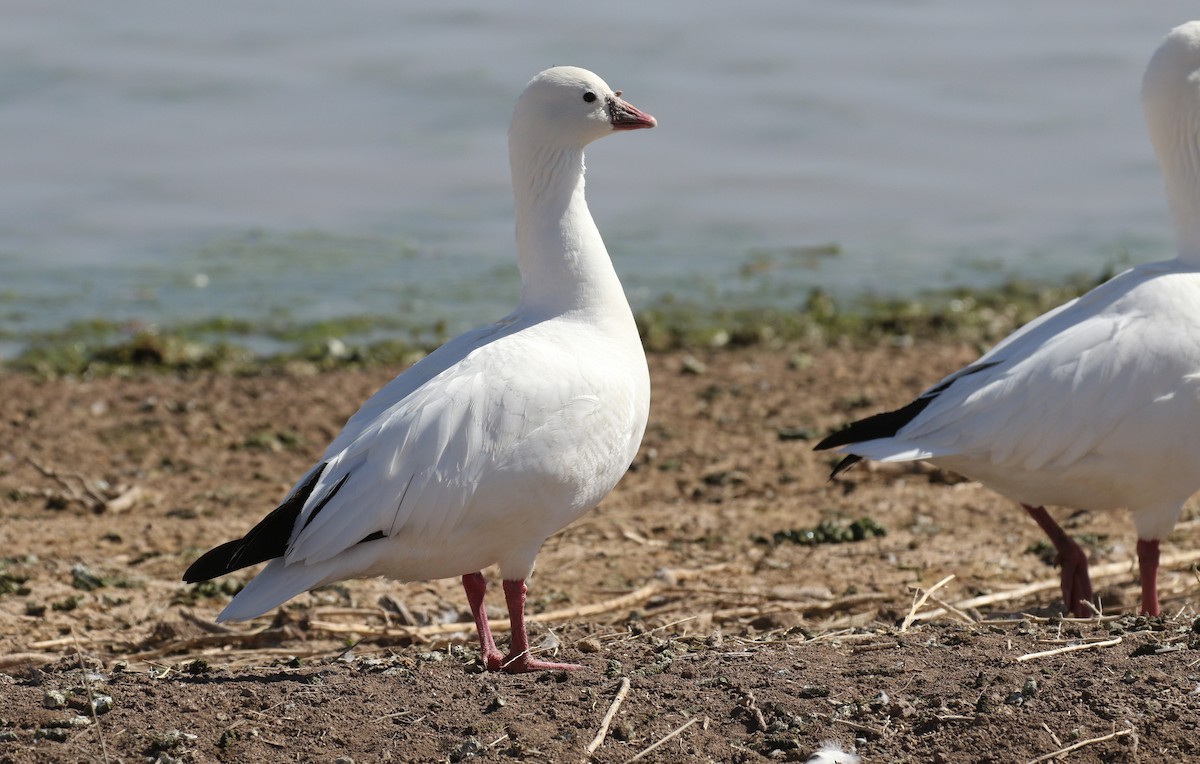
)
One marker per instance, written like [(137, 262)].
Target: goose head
[(569, 107), (1171, 100)]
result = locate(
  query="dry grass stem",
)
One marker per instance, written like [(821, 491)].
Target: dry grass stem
[(18, 660), (1069, 649), (608, 716), (656, 629), (1053, 737), (1173, 561), (1082, 743), (87, 683), (876, 731), (82, 494), (219, 641), (441, 629), (124, 501), (964, 617), (675, 733), (920, 601)]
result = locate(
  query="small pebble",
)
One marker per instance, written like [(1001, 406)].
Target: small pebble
[(693, 365), (57, 734), (589, 645), (54, 699)]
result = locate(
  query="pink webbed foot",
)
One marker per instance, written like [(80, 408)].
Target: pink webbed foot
[(1147, 551), (522, 664), (518, 660), (475, 586), (1076, 581)]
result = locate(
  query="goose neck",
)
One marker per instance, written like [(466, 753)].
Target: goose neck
[(563, 262)]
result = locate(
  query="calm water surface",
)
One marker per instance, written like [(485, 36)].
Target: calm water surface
[(290, 161)]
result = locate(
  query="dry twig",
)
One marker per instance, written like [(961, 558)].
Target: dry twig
[(217, 640), (87, 683), (1180, 560), (441, 629), (608, 717), (1076, 746), (1069, 649), (123, 501), (966, 617), (82, 494), (21, 660), (677, 731), (920, 601)]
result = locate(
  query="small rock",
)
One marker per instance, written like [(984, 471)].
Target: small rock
[(101, 704), (800, 361), (880, 701), (84, 579), (54, 699), (57, 734), (589, 645), (468, 748), (692, 365), (902, 709)]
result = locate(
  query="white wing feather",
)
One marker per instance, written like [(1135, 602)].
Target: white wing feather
[(417, 454), (1061, 385)]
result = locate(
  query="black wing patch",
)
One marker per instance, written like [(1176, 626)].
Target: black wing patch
[(883, 425), (265, 541), (887, 424)]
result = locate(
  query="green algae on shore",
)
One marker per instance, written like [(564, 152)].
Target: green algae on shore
[(977, 316)]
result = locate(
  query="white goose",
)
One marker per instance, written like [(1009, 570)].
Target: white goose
[(1096, 404), (502, 436)]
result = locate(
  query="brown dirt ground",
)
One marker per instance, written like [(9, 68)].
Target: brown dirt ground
[(110, 487)]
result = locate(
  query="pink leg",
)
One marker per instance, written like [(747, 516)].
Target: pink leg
[(476, 587), (1076, 583), (1147, 550), (518, 660)]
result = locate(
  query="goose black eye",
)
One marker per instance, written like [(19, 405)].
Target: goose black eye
[(589, 96)]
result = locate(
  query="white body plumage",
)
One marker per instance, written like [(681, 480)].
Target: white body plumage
[(505, 434)]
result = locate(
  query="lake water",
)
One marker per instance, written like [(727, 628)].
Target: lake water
[(296, 160)]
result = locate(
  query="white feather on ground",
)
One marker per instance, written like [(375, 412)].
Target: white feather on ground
[(832, 753)]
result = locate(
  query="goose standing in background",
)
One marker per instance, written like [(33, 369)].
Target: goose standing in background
[(499, 438), (1096, 404)]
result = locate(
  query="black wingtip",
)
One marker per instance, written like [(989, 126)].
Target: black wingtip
[(265, 541), (215, 562), (844, 465), (883, 425), (887, 424)]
